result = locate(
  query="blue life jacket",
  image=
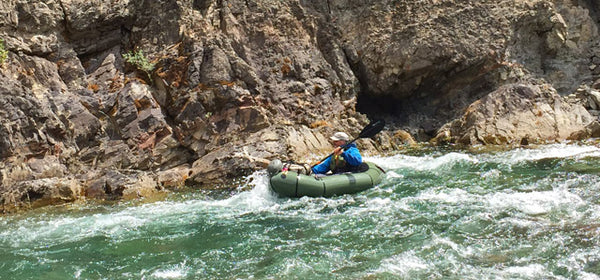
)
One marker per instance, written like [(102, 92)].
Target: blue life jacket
[(348, 161)]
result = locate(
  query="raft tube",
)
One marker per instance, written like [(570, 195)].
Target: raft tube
[(292, 184)]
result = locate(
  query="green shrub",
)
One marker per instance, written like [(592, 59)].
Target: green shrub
[(3, 52), (140, 61)]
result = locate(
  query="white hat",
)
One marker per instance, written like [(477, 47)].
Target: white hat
[(340, 136)]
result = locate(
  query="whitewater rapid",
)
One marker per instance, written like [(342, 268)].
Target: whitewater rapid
[(518, 214)]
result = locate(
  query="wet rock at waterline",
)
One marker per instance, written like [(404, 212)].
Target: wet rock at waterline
[(211, 90), (516, 114)]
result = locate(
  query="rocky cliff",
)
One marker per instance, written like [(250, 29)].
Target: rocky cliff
[(117, 98)]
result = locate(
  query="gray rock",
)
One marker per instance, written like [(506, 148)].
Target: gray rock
[(513, 113), (40, 192)]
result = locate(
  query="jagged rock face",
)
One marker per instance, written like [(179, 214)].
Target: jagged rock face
[(424, 62), (237, 83)]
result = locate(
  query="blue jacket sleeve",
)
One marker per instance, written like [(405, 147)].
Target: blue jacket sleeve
[(352, 156), (322, 167)]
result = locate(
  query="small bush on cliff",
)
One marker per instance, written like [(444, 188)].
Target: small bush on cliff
[(140, 61), (3, 52)]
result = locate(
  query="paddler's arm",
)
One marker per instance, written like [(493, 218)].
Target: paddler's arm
[(322, 167)]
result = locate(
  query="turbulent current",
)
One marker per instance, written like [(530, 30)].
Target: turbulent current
[(439, 214)]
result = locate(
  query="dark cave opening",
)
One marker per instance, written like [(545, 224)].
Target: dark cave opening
[(426, 111), (439, 99), (377, 106), (415, 115)]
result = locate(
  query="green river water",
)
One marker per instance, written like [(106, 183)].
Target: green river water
[(438, 214)]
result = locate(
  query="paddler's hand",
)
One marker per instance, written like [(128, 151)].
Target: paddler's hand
[(338, 151)]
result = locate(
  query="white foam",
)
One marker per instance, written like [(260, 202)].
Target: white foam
[(491, 174), (259, 197), (392, 174), (515, 156), (173, 272), (531, 203), (422, 163), (589, 276), (403, 265), (545, 152), (532, 271), (534, 203), (449, 196)]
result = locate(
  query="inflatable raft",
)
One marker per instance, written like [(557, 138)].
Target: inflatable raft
[(292, 184)]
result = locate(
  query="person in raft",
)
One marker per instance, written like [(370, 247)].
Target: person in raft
[(348, 160)]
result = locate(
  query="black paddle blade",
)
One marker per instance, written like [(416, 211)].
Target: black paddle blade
[(372, 129)]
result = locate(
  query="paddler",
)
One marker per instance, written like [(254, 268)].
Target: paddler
[(345, 158)]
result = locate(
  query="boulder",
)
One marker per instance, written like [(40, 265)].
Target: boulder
[(591, 130), (124, 184), (516, 113), (40, 192)]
